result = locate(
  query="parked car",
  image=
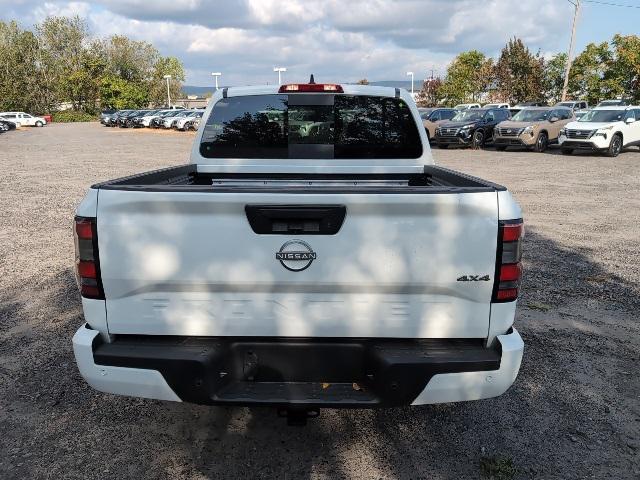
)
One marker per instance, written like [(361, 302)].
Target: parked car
[(604, 129), (614, 103), (22, 119), (472, 127), (146, 119), (519, 106), (126, 120), (112, 121), (226, 282), (434, 117), (466, 106), (194, 124), (496, 105), (7, 124), (106, 114), (159, 121), (574, 105), (184, 123), (579, 114), (532, 127), (170, 122)]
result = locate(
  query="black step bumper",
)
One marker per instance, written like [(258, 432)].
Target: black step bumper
[(306, 372)]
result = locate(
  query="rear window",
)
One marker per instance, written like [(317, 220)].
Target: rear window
[(310, 126)]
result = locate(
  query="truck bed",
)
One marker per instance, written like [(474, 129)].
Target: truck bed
[(433, 179)]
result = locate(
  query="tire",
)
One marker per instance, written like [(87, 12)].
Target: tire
[(615, 147), (567, 151), (501, 148), (478, 139), (542, 142), (39, 124), (444, 146)]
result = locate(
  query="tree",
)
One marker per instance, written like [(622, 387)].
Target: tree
[(553, 83), (61, 43), (519, 73), (466, 78), (129, 59), (429, 94), (59, 63), (21, 87), (157, 84), (587, 74), (624, 72), (116, 92)]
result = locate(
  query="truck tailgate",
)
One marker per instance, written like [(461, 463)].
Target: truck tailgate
[(189, 263)]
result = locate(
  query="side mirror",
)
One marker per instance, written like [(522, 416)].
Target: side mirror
[(554, 119), (630, 120)]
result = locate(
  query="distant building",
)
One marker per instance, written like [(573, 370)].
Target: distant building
[(192, 101)]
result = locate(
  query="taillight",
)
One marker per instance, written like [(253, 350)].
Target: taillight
[(311, 88), (87, 260), (508, 266)]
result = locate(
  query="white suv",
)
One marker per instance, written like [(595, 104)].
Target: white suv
[(606, 129), (22, 119)]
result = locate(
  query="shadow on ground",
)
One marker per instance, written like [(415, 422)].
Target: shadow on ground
[(562, 418)]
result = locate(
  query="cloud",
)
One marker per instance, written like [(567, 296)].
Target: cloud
[(334, 39)]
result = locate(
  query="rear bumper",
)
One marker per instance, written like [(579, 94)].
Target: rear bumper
[(307, 372), (459, 387)]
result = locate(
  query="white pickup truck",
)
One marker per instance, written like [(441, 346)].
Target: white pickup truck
[(310, 255)]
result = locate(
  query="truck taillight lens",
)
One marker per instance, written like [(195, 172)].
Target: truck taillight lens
[(87, 260), (508, 266)]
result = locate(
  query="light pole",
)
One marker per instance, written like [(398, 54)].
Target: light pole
[(411, 73), (576, 10), (216, 75), (279, 70), (167, 78)]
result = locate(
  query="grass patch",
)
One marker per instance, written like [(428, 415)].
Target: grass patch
[(542, 307), (71, 116), (497, 468)]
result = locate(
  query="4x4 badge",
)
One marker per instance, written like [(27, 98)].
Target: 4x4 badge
[(474, 278)]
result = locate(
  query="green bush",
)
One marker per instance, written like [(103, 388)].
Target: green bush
[(68, 116)]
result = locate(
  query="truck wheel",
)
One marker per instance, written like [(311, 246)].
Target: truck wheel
[(39, 123), (541, 142), (478, 139), (615, 146), (501, 148), (567, 151)]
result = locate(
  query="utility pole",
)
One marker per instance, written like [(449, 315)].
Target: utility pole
[(411, 74), (576, 11), (167, 78), (216, 75), (279, 70)]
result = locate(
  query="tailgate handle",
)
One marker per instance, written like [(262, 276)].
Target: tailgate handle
[(295, 219)]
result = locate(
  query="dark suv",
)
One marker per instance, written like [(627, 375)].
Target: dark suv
[(471, 127)]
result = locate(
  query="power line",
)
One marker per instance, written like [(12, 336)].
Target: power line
[(610, 4)]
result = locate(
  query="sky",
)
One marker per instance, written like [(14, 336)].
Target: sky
[(337, 40)]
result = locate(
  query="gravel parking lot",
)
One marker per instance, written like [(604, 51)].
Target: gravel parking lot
[(574, 411)]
